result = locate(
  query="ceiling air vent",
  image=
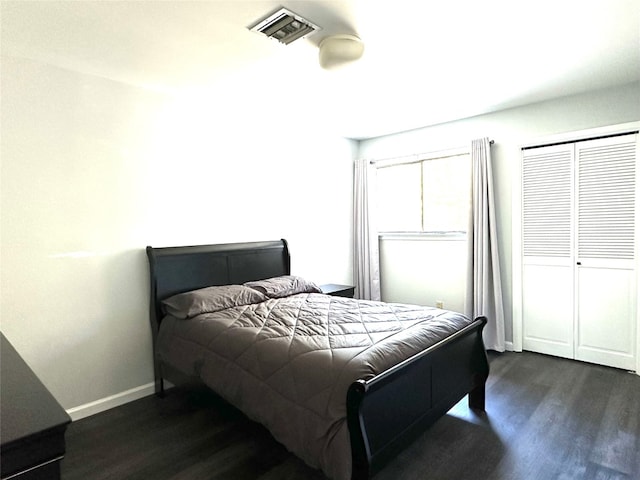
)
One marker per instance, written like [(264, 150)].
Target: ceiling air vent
[(284, 26)]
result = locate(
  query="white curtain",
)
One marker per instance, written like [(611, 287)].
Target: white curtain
[(484, 290), (365, 235)]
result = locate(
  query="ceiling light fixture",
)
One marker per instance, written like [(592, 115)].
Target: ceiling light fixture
[(339, 50)]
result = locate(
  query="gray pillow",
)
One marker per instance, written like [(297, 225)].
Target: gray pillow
[(210, 299), (284, 286)]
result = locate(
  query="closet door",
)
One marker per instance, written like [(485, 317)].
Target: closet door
[(606, 249), (548, 266)]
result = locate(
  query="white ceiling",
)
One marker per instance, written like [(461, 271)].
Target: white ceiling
[(425, 62)]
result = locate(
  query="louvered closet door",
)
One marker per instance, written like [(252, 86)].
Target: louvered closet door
[(606, 243), (548, 267)]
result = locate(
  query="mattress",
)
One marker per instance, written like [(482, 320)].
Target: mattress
[(287, 362)]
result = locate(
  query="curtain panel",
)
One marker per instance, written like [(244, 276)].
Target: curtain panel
[(365, 234), (484, 288)]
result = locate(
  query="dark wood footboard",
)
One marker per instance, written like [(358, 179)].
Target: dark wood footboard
[(389, 411)]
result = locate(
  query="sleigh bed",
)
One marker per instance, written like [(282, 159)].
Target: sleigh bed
[(344, 384)]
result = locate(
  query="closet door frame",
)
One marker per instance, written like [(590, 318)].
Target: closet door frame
[(517, 237)]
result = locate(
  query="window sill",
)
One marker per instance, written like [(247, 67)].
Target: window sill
[(430, 236)]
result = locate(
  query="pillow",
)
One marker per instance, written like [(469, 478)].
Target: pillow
[(284, 286), (210, 299)]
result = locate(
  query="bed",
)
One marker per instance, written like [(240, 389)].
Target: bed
[(390, 370)]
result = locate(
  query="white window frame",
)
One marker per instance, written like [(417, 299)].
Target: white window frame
[(419, 158)]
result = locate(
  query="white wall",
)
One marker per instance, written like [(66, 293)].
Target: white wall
[(94, 170), (509, 129), (423, 271)]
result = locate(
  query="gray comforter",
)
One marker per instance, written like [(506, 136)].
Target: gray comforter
[(288, 362)]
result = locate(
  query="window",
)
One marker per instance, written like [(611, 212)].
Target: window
[(428, 196)]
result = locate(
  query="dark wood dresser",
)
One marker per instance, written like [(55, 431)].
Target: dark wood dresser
[(32, 422)]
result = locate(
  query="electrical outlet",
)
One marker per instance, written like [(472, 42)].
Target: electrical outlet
[(439, 304)]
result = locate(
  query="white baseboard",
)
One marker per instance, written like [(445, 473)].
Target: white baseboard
[(103, 404)]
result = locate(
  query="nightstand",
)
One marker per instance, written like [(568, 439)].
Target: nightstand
[(33, 422), (338, 290)]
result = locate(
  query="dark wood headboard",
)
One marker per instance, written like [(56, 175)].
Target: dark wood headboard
[(180, 269)]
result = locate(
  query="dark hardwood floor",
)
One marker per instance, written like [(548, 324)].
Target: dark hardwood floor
[(547, 418)]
